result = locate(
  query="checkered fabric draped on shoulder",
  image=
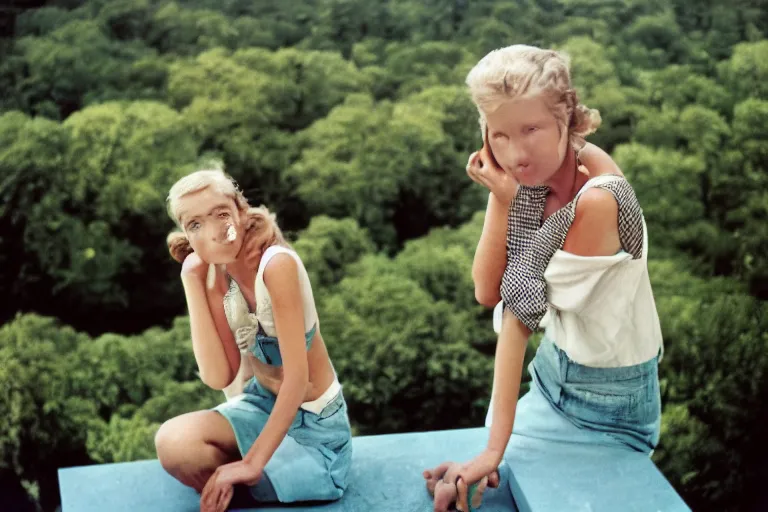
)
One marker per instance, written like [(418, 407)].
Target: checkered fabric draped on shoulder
[(531, 243)]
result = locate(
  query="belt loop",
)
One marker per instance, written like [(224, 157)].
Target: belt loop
[(563, 359)]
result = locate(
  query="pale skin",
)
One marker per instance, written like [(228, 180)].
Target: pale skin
[(199, 448), (524, 144)]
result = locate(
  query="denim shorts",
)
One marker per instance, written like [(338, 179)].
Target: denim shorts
[(569, 402), (313, 460)]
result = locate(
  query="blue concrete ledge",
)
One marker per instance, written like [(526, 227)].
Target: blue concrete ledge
[(549, 475), (386, 475)]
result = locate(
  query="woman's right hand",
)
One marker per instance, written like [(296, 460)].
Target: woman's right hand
[(483, 169), (194, 267)]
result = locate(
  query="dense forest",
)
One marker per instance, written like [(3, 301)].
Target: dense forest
[(349, 118)]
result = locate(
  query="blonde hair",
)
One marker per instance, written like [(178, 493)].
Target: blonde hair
[(261, 229), (519, 71)]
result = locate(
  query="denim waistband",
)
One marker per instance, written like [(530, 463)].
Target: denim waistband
[(569, 371), (622, 403)]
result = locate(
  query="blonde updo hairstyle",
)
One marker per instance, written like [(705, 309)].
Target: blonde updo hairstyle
[(520, 71), (260, 225)]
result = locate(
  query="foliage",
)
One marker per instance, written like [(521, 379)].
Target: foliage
[(349, 119)]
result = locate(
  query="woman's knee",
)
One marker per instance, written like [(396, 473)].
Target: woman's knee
[(172, 441), (194, 439)]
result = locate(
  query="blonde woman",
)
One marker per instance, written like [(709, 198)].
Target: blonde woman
[(284, 430), (565, 251)]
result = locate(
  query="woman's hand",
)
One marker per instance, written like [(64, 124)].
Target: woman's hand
[(482, 470), (193, 266), (197, 270), (449, 482), (220, 487), (483, 169)]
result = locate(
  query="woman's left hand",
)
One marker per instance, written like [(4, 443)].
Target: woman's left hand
[(449, 482), (220, 487), (484, 466)]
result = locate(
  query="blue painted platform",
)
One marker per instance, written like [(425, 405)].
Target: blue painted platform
[(386, 475), (554, 476)]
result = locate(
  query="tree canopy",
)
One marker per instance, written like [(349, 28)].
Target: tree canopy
[(350, 120)]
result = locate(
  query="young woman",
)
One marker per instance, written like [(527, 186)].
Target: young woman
[(565, 251), (284, 430)]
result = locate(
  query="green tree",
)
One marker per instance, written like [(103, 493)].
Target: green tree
[(44, 423), (127, 19), (32, 162), (303, 85), (189, 31), (746, 72), (714, 378), (328, 246), (655, 40), (405, 362), (72, 66), (412, 68), (598, 84), (678, 86), (742, 192), (397, 164)]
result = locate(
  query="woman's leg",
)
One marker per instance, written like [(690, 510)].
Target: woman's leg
[(191, 446)]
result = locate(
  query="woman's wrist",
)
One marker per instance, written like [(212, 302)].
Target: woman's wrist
[(503, 201), (192, 281), (254, 461), (493, 456)]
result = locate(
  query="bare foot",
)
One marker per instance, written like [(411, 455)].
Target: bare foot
[(433, 476), (448, 490), (441, 484)]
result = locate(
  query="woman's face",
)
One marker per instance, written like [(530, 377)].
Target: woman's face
[(213, 225), (526, 140)]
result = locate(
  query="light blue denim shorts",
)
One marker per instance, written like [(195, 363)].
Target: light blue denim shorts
[(312, 462), (569, 402)]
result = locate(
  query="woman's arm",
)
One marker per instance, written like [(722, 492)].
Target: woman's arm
[(491, 253), (216, 306), (595, 228), (211, 352), (508, 370), (507, 373), (281, 276)]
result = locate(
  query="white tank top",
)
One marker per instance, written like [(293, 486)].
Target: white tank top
[(244, 324), (236, 307), (600, 310)]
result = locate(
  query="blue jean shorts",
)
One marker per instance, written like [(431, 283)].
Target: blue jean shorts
[(313, 460), (569, 402)]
